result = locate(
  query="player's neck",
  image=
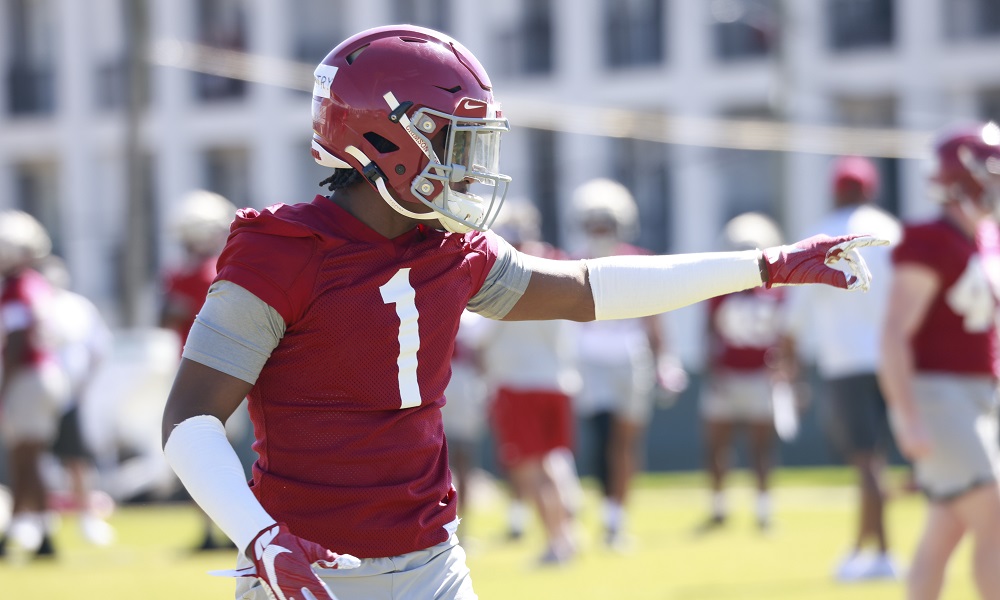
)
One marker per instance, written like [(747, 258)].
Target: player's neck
[(365, 205)]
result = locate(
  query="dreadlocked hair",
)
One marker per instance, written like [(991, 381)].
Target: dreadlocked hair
[(340, 179)]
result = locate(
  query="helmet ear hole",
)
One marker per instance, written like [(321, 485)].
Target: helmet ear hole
[(382, 145), (353, 56)]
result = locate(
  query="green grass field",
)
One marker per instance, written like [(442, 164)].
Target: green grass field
[(669, 559)]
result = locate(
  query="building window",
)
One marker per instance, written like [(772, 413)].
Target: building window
[(633, 32), (536, 44), (36, 186), (227, 172), (989, 104), (641, 166), (525, 47), (318, 29), (860, 23), (31, 46), (221, 24), (969, 19), (425, 13), (744, 28), (107, 21), (543, 176)]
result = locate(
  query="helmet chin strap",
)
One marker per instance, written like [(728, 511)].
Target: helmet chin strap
[(448, 223)]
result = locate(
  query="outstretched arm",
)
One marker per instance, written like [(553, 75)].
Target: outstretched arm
[(621, 287)]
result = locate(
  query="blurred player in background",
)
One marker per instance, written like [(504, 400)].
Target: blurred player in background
[(82, 341), (201, 227), (34, 390), (940, 362), (531, 370), (465, 414), (744, 330), (843, 331), (618, 359), (338, 318)]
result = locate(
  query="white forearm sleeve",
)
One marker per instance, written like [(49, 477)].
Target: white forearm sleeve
[(207, 465), (626, 287)]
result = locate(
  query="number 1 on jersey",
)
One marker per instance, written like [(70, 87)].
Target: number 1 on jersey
[(398, 291)]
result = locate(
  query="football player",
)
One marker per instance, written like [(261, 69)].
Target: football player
[(617, 358), (201, 225), (940, 364), (337, 317), (532, 375), (738, 393), (34, 391), (850, 325)]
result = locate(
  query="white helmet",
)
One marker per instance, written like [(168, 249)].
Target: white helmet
[(609, 202), (23, 240), (751, 230), (518, 221), (202, 221)]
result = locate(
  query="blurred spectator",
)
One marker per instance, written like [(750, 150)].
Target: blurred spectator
[(617, 358), (739, 390), (531, 372), (844, 332), (201, 226), (940, 362), (82, 341), (33, 391), (464, 412)]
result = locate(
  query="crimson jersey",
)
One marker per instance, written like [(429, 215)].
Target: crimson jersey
[(347, 409), (186, 289), (743, 327), (23, 305), (958, 334)]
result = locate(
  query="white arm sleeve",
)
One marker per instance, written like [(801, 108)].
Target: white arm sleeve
[(207, 465), (626, 287)]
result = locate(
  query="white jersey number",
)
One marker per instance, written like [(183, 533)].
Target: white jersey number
[(972, 298), (398, 291)]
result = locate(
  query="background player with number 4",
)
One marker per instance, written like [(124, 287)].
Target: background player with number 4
[(337, 317)]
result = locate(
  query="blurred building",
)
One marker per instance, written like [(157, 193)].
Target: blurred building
[(704, 108)]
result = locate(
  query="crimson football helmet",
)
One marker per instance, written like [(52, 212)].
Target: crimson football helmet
[(855, 172), (968, 165), (380, 97)]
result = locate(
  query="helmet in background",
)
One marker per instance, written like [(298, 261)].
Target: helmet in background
[(519, 222), (967, 166), (855, 173), (383, 95), (750, 230), (23, 240), (602, 203), (202, 221)]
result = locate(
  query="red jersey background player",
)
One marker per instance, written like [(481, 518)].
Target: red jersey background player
[(34, 390), (940, 366), (618, 359), (738, 393), (201, 227), (338, 317)]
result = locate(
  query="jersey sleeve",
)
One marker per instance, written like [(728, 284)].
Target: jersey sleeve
[(919, 246), (234, 332), (271, 263), (504, 283)]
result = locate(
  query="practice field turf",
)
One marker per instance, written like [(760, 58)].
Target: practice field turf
[(668, 559)]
